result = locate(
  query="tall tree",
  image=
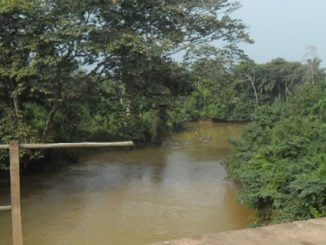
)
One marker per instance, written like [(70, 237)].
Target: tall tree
[(46, 44)]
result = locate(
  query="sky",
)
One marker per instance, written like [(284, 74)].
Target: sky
[(284, 28)]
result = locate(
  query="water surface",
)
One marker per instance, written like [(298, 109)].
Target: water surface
[(135, 197)]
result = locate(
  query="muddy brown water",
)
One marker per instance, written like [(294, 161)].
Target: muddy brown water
[(177, 190)]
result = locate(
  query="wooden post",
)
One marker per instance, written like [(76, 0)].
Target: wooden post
[(17, 231)]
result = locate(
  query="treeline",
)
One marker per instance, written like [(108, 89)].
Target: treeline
[(225, 90), (100, 70)]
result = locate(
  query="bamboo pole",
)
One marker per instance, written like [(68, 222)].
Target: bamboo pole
[(4, 147), (76, 145), (17, 231), (5, 208), (71, 145)]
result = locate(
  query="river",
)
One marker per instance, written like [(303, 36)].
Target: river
[(152, 194)]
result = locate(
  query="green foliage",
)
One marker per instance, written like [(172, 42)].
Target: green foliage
[(228, 91), (86, 70), (102, 70), (281, 159), (7, 5)]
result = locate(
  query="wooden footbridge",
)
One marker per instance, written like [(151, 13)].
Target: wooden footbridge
[(14, 147)]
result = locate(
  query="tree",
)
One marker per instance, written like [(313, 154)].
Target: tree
[(275, 79), (133, 35), (133, 41), (249, 73), (280, 160), (55, 54), (39, 59)]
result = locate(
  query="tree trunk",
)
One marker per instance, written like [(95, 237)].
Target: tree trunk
[(17, 109), (14, 96), (49, 121), (124, 101), (252, 82)]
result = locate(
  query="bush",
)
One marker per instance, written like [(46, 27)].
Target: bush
[(281, 159)]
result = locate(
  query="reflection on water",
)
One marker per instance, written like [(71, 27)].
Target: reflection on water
[(177, 190)]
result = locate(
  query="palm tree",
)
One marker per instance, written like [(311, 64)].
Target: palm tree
[(313, 72)]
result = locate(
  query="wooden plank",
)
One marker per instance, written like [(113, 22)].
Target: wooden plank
[(5, 208), (76, 145), (17, 231)]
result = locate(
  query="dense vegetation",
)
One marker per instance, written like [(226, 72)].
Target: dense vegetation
[(104, 70), (231, 91), (100, 70), (281, 159)]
